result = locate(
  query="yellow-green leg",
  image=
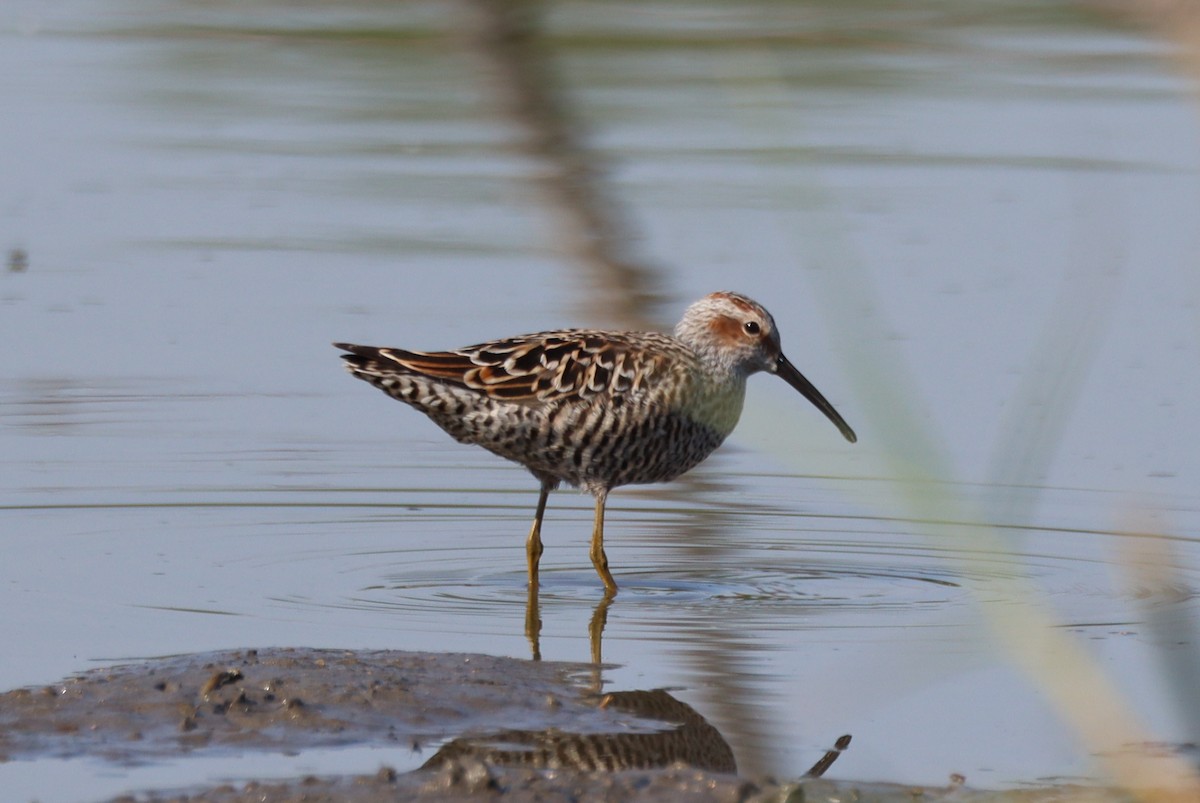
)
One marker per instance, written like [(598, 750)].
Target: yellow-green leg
[(533, 544), (599, 559)]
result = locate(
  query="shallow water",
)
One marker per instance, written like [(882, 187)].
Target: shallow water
[(976, 232)]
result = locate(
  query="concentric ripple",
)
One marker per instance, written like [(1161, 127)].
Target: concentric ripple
[(679, 573)]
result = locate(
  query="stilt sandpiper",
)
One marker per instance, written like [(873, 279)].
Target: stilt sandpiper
[(596, 409)]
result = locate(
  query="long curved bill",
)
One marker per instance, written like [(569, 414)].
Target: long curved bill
[(789, 374)]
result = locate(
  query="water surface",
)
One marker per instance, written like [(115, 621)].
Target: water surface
[(976, 233)]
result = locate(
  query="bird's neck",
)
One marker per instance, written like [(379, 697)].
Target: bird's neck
[(718, 405)]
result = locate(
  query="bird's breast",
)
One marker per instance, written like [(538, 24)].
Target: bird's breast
[(714, 405)]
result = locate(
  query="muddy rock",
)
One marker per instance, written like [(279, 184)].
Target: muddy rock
[(496, 728), (290, 699)]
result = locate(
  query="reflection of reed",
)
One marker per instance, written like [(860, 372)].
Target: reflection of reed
[(507, 37), (1177, 21), (687, 737), (506, 34)]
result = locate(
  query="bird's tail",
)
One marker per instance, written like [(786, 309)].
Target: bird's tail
[(366, 362)]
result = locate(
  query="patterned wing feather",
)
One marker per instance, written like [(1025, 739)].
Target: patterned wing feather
[(542, 367)]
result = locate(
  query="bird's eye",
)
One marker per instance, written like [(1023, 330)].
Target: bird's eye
[(751, 327)]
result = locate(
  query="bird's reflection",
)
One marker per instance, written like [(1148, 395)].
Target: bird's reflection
[(533, 622), (682, 736), (685, 736)]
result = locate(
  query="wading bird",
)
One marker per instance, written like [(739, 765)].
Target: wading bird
[(592, 408)]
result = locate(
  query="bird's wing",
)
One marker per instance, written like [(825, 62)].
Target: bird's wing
[(547, 366)]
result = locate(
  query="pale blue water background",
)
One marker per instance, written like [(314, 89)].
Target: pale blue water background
[(209, 194)]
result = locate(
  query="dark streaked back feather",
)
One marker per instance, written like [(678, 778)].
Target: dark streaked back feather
[(547, 366)]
